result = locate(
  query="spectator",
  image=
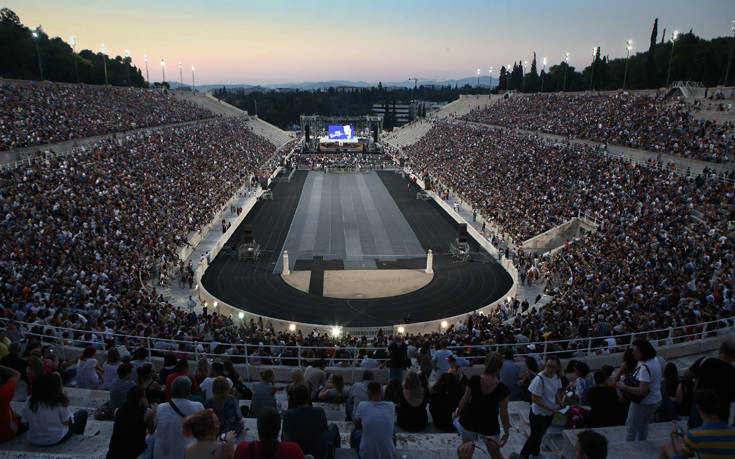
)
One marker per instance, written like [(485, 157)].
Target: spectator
[(590, 445), (373, 433), (154, 392), (546, 394), (307, 426), (411, 408), (264, 393), (88, 369), (317, 377), (182, 369), (140, 358), (47, 413), (648, 378), (484, 401), (109, 368), (13, 360), (201, 373), (717, 374), (9, 425), (444, 400), (225, 406), (132, 421), (397, 358), (713, 439), (510, 375), (169, 441), (393, 391), (604, 405), (169, 366), (528, 374), (358, 393), (205, 427), (336, 393), (215, 371), (267, 445), (297, 379), (119, 390), (424, 360), (441, 357)]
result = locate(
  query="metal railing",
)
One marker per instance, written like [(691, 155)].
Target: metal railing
[(350, 355)]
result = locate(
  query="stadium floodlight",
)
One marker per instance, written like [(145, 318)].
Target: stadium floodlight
[(523, 76), (127, 66), (592, 68), (444, 324), (336, 332), (104, 61), (163, 70), (543, 72), (401, 330), (732, 48), (628, 49), (35, 36), (566, 66), (478, 78), (181, 75), (73, 41), (291, 327), (674, 36), (240, 315), (193, 82), (147, 77), (215, 304)]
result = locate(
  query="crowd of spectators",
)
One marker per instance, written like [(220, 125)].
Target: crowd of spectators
[(657, 124), (37, 114)]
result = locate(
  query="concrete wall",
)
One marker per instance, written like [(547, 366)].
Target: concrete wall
[(556, 237)]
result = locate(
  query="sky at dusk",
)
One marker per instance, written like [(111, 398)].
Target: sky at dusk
[(277, 41)]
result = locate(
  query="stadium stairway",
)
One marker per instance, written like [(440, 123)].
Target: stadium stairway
[(209, 102)]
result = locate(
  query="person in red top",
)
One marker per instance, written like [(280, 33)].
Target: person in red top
[(269, 426), (9, 422), (181, 369)]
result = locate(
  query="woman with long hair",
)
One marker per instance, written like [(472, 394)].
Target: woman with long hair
[(109, 368), (644, 390), (267, 445), (132, 420), (297, 378), (264, 393), (225, 406), (204, 426), (412, 405), (443, 400), (335, 391), (47, 413), (154, 392), (89, 372), (484, 401)]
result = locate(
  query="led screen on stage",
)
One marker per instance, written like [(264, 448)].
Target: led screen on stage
[(341, 133)]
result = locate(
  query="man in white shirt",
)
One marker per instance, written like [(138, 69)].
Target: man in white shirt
[(317, 377), (374, 421), (170, 442), (206, 386), (545, 391)]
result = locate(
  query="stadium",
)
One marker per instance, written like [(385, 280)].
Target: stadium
[(518, 272)]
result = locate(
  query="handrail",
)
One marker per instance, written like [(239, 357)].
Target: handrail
[(541, 348)]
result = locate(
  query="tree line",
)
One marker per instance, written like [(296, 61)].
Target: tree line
[(20, 51), (687, 58)]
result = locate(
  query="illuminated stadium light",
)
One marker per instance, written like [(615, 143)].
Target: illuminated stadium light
[(401, 330), (336, 332), (240, 315), (444, 324), (216, 304), (292, 327)]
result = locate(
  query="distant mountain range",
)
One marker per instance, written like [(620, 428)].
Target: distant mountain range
[(313, 86)]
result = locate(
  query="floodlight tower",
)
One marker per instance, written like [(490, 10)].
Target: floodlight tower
[(36, 35), (674, 36), (193, 83), (592, 69), (73, 41), (732, 48), (181, 77), (127, 66), (543, 71), (628, 48), (478, 78), (566, 67), (163, 70), (147, 77), (104, 61)]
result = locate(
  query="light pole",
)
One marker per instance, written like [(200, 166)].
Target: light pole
[(566, 66), (490, 72), (163, 71), (592, 71), (147, 78), (732, 48), (628, 48), (507, 77), (36, 35), (478, 78), (73, 41), (193, 83), (104, 61), (674, 36), (127, 66), (181, 78), (523, 76), (543, 71)]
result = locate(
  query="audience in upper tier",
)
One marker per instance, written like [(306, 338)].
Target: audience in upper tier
[(36, 114), (657, 124)]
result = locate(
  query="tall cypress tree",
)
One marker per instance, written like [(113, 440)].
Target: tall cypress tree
[(654, 35), (651, 78)]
